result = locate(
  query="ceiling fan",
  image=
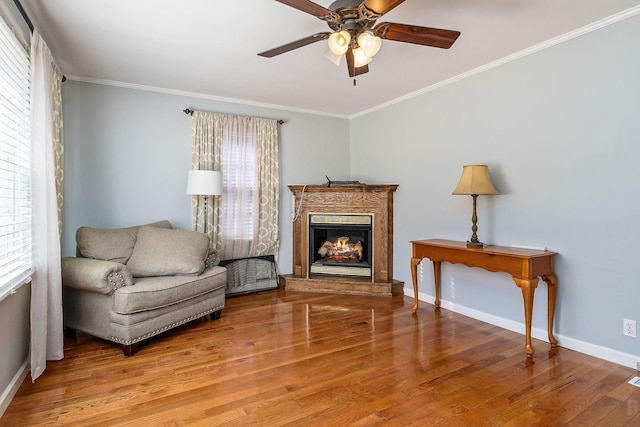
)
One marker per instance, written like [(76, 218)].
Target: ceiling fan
[(355, 33)]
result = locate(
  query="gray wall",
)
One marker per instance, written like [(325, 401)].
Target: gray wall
[(560, 132), (127, 153), (14, 342)]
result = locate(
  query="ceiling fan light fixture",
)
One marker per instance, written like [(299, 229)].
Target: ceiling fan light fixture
[(369, 43), (360, 58), (339, 42)]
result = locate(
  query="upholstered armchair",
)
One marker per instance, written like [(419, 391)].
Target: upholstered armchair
[(129, 284)]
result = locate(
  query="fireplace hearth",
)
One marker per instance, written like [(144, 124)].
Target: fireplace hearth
[(343, 240)]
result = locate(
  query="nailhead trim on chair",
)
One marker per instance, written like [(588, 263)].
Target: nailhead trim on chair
[(116, 280), (166, 328)]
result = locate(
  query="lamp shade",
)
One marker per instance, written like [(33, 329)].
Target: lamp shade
[(369, 43), (204, 183), (475, 180), (360, 58), (339, 42)]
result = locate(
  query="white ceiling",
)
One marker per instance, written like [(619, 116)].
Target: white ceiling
[(210, 48)]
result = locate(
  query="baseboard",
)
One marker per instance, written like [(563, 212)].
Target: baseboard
[(14, 385), (608, 354)]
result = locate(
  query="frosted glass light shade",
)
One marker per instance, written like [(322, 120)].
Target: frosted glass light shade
[(339, 42), (204, 183), (333, 57), (475, 180), (360, 59), (369, 43)]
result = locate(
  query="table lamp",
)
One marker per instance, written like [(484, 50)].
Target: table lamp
[(475, 181), (204, 183)]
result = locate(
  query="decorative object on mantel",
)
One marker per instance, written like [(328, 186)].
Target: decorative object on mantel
[(475, 181), (330, 183), (204, 183)]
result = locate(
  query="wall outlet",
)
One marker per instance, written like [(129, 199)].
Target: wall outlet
[(629, 327)]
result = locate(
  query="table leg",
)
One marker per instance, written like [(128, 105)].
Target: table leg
[(552, 289), (414, 277), (436, 281), (528, 287)]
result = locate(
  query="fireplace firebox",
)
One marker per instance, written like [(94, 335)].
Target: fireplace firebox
[(340, 245)]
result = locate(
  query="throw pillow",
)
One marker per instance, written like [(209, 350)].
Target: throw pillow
[(114, 244), (162, 252)]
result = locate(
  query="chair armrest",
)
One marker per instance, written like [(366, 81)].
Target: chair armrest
[(94, 275)]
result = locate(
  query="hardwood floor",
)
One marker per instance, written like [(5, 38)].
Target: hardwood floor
[(303, 359)]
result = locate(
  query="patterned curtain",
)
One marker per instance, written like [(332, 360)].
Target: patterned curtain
[(206, 146), (243, 222), (268, 189), (58, 142)]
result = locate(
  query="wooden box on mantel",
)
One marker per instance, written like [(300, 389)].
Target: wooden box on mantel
[(377, 200)]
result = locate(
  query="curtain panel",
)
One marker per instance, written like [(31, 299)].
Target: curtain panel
[(243, 222), (46, 202)]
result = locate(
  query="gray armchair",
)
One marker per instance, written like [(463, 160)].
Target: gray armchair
[(130, 284)]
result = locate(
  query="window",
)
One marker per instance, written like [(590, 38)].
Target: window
[(240, 187), (15, 181)]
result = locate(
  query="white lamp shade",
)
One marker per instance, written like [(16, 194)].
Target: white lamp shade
[(204, 183)]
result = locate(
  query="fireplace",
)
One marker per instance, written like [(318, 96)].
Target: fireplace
[(340, 245), (343, 240)]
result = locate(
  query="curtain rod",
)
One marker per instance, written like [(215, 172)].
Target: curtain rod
[(24, 14), (29, 23), (190, 112)]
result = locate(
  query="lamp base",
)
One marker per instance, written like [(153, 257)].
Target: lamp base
[(471, 244)]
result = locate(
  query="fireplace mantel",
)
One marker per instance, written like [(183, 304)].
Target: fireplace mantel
[(377, 200)]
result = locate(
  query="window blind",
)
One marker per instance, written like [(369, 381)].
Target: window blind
[(240, 184), (15, 182)]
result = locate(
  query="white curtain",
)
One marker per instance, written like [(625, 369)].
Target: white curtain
[(244, 220), (46, 143)]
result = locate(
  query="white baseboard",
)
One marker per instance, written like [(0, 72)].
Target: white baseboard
[(12, 388), (608, 354)]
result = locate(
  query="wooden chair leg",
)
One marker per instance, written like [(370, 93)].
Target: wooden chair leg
[(131, 349), (215, 315)]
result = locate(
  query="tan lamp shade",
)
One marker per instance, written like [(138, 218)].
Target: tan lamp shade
[(475, 180)]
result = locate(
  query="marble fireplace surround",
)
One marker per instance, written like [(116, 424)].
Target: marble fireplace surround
[(377, 200)]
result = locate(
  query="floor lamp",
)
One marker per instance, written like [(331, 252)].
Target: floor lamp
[(475, 181), (204, 183)]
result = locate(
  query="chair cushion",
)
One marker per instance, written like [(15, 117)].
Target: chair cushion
[(163, 252), (149, 293), (115, 244)]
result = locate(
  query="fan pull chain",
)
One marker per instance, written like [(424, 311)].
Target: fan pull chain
[(354, 82)]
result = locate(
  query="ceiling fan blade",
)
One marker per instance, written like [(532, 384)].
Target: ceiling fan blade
[(425, 36), (381, 6), (353, 70), (294, 45), (308, 7)]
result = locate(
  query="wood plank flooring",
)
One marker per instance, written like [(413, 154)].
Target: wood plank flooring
[(305, 359)]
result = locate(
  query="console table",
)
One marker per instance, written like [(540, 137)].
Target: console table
[(524, 266)]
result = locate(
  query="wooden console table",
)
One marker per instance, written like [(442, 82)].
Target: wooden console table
[(524, 266)]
